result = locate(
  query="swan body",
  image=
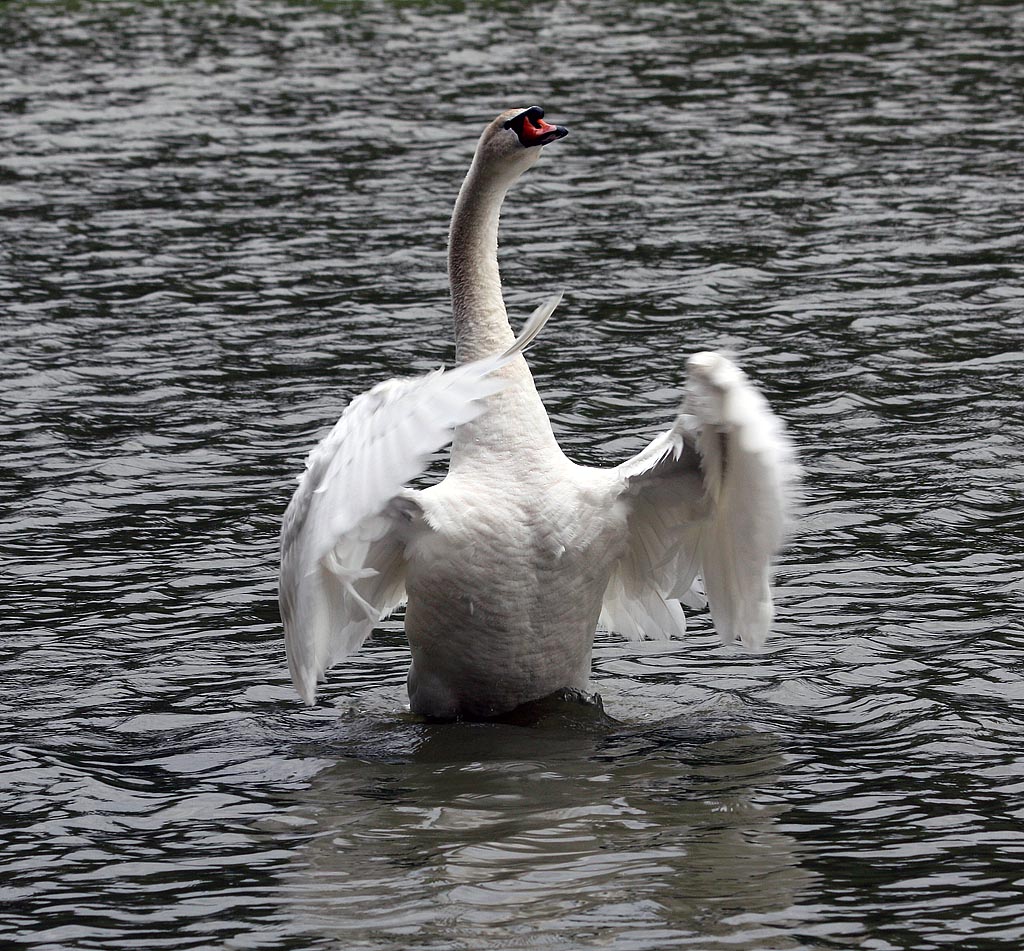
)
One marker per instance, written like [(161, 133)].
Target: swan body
[(509, 564)]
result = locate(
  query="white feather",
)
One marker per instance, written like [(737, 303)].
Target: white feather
[(510, 559), (710, 495), (750, 474), (344, 531)]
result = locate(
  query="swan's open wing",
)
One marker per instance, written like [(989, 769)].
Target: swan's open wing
[(709, 497), (344, 532)]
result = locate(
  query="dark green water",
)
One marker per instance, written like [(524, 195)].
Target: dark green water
[(219, 222)]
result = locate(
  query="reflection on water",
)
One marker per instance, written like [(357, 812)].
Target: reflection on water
[(221, 221), (562, 832)]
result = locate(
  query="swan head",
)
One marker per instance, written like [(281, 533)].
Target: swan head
[(513, 141)]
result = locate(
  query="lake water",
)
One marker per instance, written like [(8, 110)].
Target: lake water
[(219, 222)]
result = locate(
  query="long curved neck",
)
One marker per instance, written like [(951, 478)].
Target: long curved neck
[(481, 323), (517, 427)]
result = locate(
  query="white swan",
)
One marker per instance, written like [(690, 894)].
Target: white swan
[(509, 563)]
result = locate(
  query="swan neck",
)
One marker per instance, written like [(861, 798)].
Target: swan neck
[(481, 323)]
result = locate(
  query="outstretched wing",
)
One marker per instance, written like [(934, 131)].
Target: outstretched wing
[(707, 500), (344, 532)]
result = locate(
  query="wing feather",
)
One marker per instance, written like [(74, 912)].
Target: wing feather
[(750, 474), (707, 504), (344, 532)]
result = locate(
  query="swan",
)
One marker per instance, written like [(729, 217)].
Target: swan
[(510, 563)]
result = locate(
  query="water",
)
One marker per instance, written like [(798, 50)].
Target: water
[(220, 222)]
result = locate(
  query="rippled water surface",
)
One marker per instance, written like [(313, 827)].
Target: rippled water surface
[(219, 222)]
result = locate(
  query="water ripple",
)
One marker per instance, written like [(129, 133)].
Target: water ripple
[(220, 222)]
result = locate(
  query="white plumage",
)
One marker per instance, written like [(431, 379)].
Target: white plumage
[(342, 564), (510, 562)]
